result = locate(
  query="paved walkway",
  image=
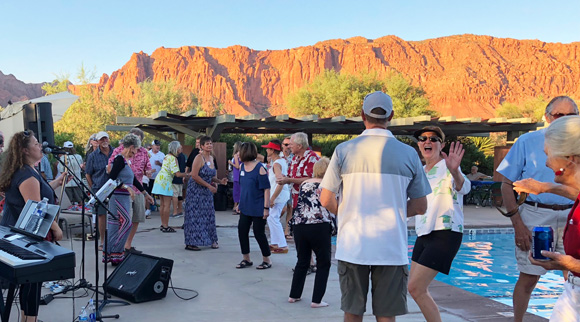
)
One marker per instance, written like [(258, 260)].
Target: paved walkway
[(228, 294)]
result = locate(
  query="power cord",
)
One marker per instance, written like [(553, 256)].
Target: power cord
[(183, 289)]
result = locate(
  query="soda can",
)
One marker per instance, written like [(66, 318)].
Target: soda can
[(542, 239)]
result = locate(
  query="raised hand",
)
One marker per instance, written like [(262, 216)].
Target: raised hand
[(453, 160)]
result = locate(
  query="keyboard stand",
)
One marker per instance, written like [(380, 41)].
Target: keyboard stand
[(5, 308)]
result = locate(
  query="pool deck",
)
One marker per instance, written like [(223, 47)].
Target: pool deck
[(228, 294)]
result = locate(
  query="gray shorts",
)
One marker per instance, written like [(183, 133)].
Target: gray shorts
[(138, 208), (532, 217), (389, 288)]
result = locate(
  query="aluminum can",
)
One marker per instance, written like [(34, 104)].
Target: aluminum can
[(542, 239)]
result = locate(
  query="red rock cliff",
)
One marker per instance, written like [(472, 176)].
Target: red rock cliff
[(463, 75), (12, 89)]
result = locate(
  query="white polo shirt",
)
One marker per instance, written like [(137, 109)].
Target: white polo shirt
[(375, 174)]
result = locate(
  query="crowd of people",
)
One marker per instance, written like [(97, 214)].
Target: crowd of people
[(364, 194)]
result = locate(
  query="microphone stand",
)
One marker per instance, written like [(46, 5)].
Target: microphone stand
[(82, 283), (106, 300)]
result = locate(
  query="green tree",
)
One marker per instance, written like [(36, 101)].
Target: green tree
[(333, 93), (533, 108), (60, 84)]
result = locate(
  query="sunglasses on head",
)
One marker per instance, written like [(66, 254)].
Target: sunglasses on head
[(521, 198), (433, 139), (26, 133), (559, 115)]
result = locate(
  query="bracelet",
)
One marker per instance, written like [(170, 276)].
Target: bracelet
[(266, 208)]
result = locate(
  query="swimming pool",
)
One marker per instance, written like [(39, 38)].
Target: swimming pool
[(485, 265)]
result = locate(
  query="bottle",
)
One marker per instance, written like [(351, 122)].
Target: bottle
[(83, 317), (36, 218), (90, 310)]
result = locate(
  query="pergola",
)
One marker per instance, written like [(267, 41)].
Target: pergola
[(163, 123)]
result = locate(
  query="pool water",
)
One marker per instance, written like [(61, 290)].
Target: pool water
[(485, 265)]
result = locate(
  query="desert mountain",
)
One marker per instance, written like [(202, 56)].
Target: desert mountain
[(12, 89), (464, 75)]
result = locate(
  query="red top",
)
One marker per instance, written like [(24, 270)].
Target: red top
[(572, 233), (301, 166)]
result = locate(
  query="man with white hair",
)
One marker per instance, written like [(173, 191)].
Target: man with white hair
[(382, 182), (526, 160), (302, 166)]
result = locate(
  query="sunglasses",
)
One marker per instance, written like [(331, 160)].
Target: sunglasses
[(521, 198), (1, 141), (559, 115), (430, 138), (26, 133), (286, 144)]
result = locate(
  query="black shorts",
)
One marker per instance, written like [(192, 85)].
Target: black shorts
[(437, 249)]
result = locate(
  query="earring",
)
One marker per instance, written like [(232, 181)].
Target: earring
[(559, 172)]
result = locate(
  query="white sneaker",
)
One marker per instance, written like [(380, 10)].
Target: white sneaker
[(147, 213)]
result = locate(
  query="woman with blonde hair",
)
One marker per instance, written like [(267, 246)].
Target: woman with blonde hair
[(21, 182), (313, 226)]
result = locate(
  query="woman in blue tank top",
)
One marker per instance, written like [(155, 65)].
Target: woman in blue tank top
[(254, 205)]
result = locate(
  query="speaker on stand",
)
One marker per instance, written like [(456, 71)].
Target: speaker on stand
[(140, 278), (38, 117)]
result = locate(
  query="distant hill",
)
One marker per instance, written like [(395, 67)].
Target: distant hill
[(12, 89), (464, 75)]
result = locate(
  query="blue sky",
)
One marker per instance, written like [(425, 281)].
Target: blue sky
[(42, 39)]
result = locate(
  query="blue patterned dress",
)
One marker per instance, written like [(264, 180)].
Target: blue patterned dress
[(199, 226)]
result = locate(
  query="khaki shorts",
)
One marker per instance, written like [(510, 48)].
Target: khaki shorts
[(389, 288), (177, 190), (138, 208), (532, 217)]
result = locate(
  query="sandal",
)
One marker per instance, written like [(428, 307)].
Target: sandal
[(244, 263), (167, 229), (288, 236), (192, 247), (264, 265), (280, 250), (215, 246), (101, 247)]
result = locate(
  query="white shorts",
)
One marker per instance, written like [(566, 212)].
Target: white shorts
[(532, 217), (568, 304)]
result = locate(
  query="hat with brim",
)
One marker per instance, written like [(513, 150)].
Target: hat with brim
[(435, 129), (68, 144), (156, 142), (101, 135), (272, 146)]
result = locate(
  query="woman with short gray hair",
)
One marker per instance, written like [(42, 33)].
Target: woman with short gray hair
[(163, 185)]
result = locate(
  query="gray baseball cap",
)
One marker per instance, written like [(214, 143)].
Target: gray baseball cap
[(380, 100)]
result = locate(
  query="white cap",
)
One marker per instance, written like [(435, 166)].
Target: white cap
[(68, 144), (380, 100), (101, 135)]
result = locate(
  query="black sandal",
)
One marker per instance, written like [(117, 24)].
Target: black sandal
[(192, 247), (167, 229), (264, 265), (244, 263)]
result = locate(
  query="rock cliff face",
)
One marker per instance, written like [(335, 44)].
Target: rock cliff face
[(463, 75), (12, 89)]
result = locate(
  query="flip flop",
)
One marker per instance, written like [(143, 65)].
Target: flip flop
[(264, 265), (191, 247), (244, 263)]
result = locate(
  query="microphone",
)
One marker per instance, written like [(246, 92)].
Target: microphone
[(51, 148)]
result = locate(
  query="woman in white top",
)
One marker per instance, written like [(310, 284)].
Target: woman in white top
[(440, 229), (279, 195)]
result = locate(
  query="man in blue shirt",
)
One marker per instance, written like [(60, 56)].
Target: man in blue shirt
[(96, 173), (526, 159), (45, 168)]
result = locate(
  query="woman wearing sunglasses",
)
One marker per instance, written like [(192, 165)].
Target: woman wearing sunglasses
[(440, 229), (21, 182)]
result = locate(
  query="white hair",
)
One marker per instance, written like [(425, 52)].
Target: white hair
[(173, 147), (563, 135), (558, 99), (301, 138)]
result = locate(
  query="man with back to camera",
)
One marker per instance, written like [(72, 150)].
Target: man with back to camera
[(527, 159), (381, 182)]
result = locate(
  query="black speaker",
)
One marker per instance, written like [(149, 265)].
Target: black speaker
[(39, 112), (140, 278)]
